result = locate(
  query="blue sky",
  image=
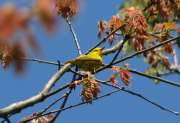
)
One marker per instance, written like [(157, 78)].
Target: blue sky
[(119, 107)]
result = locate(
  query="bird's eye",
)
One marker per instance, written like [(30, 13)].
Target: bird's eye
[(96, 50)]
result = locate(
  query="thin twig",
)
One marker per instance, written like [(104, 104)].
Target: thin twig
[(174, 112), (74, 35), (7, 119), (59, 64), (62, 109), (120, 48), (63, 104), (47, 62), (154, 77), (41, 61), (130, 92), (75, 74), (52, 104), (57, 90)]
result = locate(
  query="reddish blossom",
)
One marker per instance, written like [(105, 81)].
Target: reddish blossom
[(67, 8), (125, 76), (137, 28), (113, 80), (101, 28)]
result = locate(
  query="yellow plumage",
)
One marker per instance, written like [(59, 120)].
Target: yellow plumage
[(89, 62)]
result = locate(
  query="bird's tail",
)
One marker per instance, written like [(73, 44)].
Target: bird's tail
[(70, 61)]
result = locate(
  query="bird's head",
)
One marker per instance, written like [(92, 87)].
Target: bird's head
[(97, 51)]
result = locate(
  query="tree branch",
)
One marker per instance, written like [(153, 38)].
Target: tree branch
[(17, 107), (137, 53), (56, 77), (154, 77), (52, 104), (7, 119), (142, 97), (74, 35), (41, 61), (130, 92)]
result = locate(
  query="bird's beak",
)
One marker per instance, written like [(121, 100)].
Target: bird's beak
[(102, 48)]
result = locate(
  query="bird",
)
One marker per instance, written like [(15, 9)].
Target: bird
[(90, 62)]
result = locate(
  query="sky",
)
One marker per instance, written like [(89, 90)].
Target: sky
[(120, 107)]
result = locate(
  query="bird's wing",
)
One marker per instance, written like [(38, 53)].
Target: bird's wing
[(86, 58)]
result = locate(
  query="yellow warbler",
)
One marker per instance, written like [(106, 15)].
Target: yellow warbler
[(89, 62)]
